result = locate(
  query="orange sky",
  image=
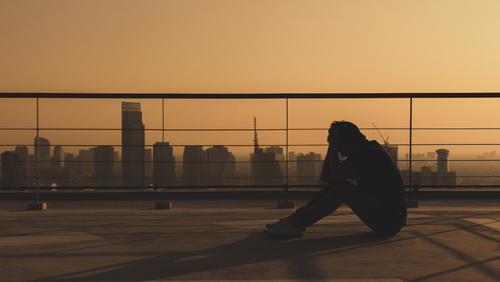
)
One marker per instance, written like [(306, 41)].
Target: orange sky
[(255, 46), (249, 46)]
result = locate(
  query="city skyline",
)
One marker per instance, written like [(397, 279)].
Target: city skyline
[(182, 120), (219, 46), (141, 166)]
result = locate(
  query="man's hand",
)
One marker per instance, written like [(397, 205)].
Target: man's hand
[(331, 167), (334, 137)]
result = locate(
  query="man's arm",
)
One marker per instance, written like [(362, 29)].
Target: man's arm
[(331, 171)]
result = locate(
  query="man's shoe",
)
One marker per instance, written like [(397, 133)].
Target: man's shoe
[(282, 221), (284, 231)]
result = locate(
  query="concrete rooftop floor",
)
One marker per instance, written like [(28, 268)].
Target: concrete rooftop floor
[(222, 240)]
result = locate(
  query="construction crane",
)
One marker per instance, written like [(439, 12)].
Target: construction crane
[(386, 142)]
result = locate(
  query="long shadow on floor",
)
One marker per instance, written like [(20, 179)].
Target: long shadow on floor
[(254, 249)]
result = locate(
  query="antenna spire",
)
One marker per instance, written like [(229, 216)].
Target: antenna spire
[(255, 139)]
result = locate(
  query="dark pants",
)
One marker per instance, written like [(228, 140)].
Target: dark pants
[(366, 207)]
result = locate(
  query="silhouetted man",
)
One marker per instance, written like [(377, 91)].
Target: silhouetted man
[(368, 181)]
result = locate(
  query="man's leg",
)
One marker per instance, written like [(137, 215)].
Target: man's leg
[(365, 206), (329, 199), (311, 202)]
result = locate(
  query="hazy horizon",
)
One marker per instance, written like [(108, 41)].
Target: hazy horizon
[(230, 123), (272, 46)]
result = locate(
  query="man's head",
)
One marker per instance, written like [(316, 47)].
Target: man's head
[(348, 133)]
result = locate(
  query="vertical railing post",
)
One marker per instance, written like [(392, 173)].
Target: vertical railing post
[(411, 132), (162, 148), (37, 154), (286, 157), (286, 204), (162, 204), (411, 202), (37, 205)]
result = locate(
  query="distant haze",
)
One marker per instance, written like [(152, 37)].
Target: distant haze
[(438, 123), (271, 46)]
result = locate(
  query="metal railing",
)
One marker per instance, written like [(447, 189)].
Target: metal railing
[(394, 114)]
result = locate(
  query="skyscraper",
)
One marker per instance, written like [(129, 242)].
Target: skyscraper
[(86, 157), (221, 166), (194, 166), (148, 166), (442, 161), (104, 169), (57, 158), (44, 156), (309, 168), (165, 163), (133, 145), (266, 169), (11, 169), (70, 163), (24, 165)]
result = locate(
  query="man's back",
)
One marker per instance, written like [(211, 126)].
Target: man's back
[(377, 174)]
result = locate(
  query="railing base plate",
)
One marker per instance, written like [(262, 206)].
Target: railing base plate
[(37, 206), (412, 204), (163, 205)]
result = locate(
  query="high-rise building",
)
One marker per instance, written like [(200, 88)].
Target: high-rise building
[(44, 156), (292, 167), (70, 163), (194, 166), (32, 169), (87, 162), (427, 177), (104, 165), (278, 154), (148, 166), (266, 169), (24, 165), (392, 150), (57, 159), (118, 168), (163, 160), (309, 168), (11, 169), (133, 145), (221, 166), (442, 161)]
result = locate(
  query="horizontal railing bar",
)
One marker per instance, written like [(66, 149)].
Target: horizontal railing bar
[(235, 129), (249, 162), (221, 177), (152, 188), (251, 145), (248, 95), (156, 129), (171, 145), (455, 144), (245, 162)]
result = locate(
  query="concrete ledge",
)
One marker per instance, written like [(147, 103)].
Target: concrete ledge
[(163, 205), (96, 195), (37, 206)]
